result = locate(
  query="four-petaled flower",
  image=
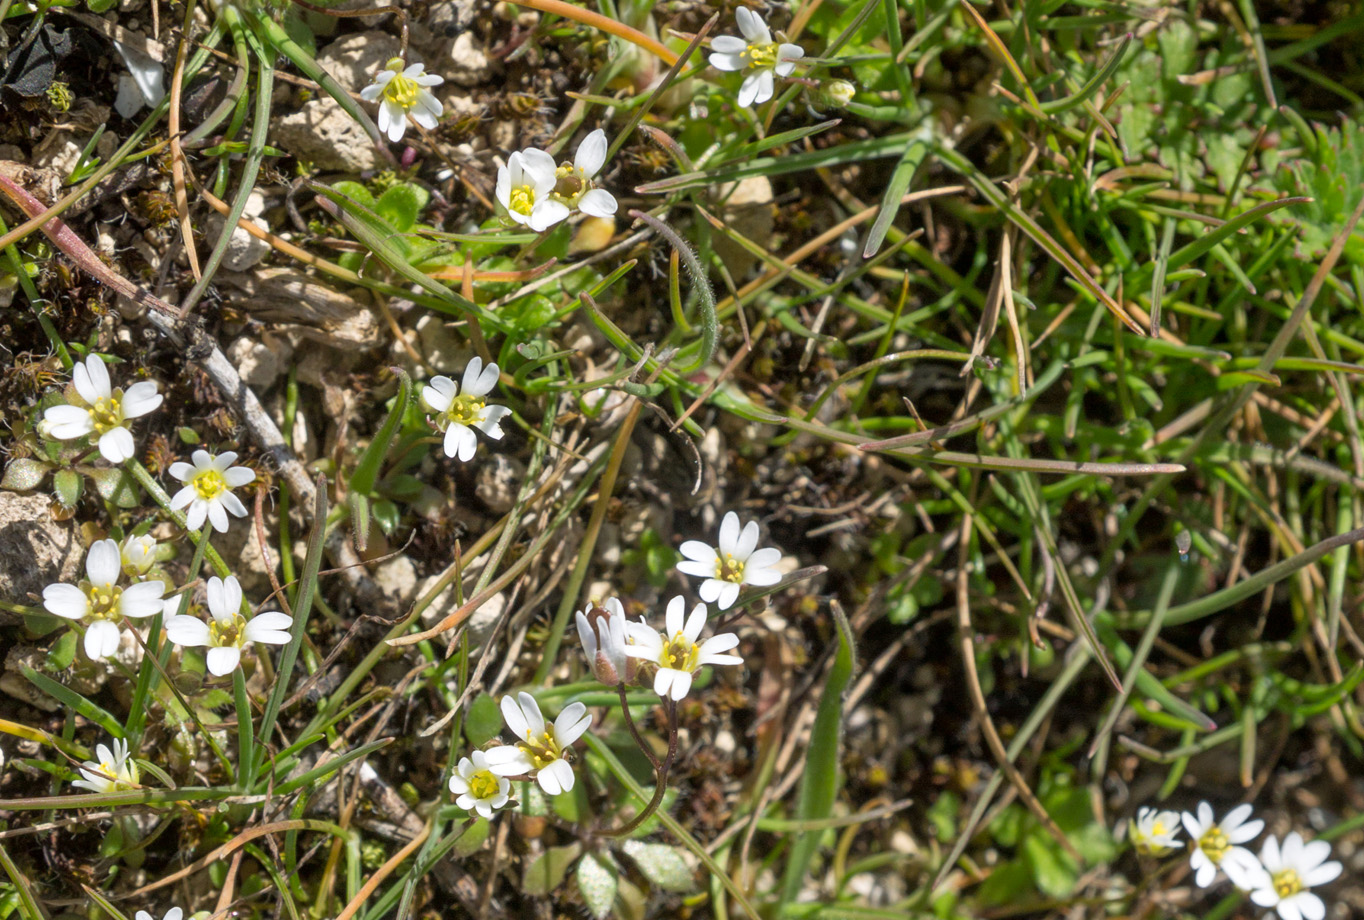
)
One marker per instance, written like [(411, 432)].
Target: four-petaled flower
[(95, 408), (1152, 832), (1213, 846), (101, 600), (228, 632), (208, 489), (404, 92), (602, 630), (675, 651), (1289, 872), (539, 193), (478, 787), (540, 749), (736, 562), (115, 771), (757, 55), (461, 409)]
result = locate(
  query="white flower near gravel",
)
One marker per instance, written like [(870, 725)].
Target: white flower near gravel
[(573, 182), (602, 631), (1153, 832), (736, 562), (138, 554), (1213, 846), (525, 187), (209, 482), (174, 913), (757, 55), (541, 749), (462, 408), (478, 788), (97, 409), (402, 92), (227, 633), (1290, 871), (675, 650), (99, 599), (115, 771)]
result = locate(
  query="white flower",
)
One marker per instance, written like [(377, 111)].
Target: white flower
[(461, 409), (97, 409), (573, 181), (404, 93), (100, 600), (115, 771), (228, 632), (525, 187), (1154, 833), (602, 631), (542, 749), (174, 913), (736, 562), (757, 54), (1213, 846), (208, 489), (675, 651), (1290, 871), (138, 554), (478, 787)]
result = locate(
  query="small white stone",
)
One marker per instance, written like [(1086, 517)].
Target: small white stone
[(257, 363), (466, 63)]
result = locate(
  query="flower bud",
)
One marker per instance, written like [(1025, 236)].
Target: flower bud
[(838, 92)]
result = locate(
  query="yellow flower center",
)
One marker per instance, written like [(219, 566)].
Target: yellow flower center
[(522, 199), (227, 635), (1287, 883), (760, 55), (1215, 844), (107, 413), (401, 90), (209, 484), (466, 410), (544, 752), (680, 654), (570, 185), (727, 568), (104, 601), (483, 785)]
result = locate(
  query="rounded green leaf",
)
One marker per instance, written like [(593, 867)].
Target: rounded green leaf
[(597, 884), (24, 474)]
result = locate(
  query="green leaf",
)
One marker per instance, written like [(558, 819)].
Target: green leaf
[(67, 485), (116, 486), (62, 652), (100, 6), (472, 839), (546, 871), (74, 700), (661, 864), (387, 515), (597, 884), (1052, 870), (401, 204), (1010, 882), (24, 474), (484, 720)]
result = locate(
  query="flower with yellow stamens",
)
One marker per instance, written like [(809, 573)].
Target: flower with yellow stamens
[(403, 91), (209, 482)]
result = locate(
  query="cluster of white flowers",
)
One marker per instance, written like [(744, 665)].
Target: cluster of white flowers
[(537, 192), (1281, 877)]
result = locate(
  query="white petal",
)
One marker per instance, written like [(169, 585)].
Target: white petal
[(1321, 875), (1248, 831), (711, 589), (752, 26), (695, 623), (104, 562), (141, 398), (546, 213), (729, 534), (472, 371), (540, 168), (531, 710), (217, 601), (174, 913), (663, 681), (748, 541), (1265, 897), (548, 778), (787, 55), (232, 503), (1288, 909), (491, 423), (182, 471), (571, 724), (466, 442), (101, 639), (717, 644), (515, 719), (728, 44), (680, 685), (1192, 825), (271, 620), (465, 801), (1313, 854), (187, 630), (587, 636), (699, 569), (764, 558), (238, 476), (673, 616), (729, 593), (591, 156), (91, 380), (485, 382), (222, 661), (1235, 818), (203, 460), (728, 61), (216, 515), (598, 203), (699, 552), (761, 578), (116, 445), (392, 120), (504, 184), (66, 601), (67, 422), (508, 760), (766, 86), (439, 394), (142, 599), (1309, 905), (198, 510)]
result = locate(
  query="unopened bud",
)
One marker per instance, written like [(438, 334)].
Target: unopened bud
[(838, 92), (604, 670)]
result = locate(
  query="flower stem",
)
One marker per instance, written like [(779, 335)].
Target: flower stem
[(634, 731), (661, 785)]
